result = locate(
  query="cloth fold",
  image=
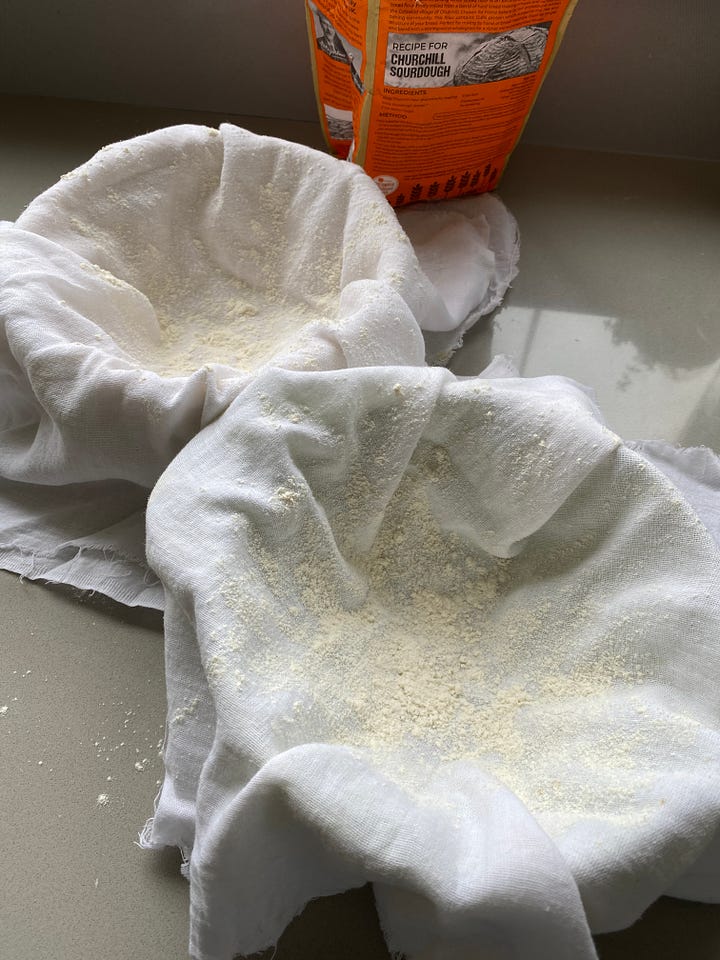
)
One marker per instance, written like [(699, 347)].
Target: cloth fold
[(469, 248)]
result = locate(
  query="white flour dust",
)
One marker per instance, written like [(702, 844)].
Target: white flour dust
[(237, 304), (417, 643)]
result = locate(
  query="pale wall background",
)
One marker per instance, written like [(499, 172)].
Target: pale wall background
[(635, 76)]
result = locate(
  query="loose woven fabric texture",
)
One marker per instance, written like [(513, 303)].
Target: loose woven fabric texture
[(450, 636), (141, 293)]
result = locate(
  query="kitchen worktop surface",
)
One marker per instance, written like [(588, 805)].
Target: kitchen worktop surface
[(619, 287)]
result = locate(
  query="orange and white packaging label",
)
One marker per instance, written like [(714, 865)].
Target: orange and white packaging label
[(430, 96)]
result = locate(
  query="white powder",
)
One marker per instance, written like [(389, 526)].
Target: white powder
[(237, 300), (400, 636), (105, 275), (184, 713)]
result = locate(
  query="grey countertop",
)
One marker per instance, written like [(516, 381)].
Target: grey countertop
[(619, 288)]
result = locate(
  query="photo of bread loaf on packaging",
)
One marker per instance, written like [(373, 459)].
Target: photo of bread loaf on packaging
[(504, 56), (432, 96)]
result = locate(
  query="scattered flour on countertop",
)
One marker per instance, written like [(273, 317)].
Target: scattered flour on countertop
[(128, 736)]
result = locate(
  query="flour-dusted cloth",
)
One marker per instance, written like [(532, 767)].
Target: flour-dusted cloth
[(138, 298), (695, 471), (449, 636)]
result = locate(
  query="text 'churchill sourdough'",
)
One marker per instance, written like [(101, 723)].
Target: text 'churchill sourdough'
[(430, 96)]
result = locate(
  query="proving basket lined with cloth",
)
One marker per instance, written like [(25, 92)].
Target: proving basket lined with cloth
[(142, 293), (449, 636)]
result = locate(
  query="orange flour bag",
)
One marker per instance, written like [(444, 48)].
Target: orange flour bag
[(430, 96)]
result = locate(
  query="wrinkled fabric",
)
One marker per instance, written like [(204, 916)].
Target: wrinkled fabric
[(141, 294), (544, 765), (469, 249), (448, 636), (693, 470)]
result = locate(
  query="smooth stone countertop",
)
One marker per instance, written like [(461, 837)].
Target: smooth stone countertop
[(619, 287)]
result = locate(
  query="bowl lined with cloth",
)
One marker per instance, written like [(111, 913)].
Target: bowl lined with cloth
[(450, 636), (142, 293)]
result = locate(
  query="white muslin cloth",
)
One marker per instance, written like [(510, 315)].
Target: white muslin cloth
[(449, 636), (469, 248), (141, 294)]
